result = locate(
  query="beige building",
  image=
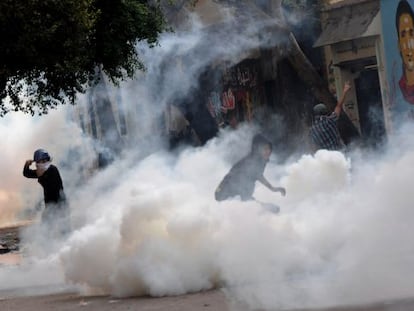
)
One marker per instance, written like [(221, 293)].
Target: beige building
[(351, 39)]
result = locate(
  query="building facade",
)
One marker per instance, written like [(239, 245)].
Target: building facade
[(363, 43)]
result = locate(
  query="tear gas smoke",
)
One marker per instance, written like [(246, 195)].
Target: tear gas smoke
[(21, 136), (343, 235), (150, 225), (160, 232)]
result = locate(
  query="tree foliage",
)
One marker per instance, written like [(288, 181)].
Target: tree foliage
[(52, 49)]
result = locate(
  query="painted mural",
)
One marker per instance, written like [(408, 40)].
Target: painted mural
[(398, 36), (240, 92)]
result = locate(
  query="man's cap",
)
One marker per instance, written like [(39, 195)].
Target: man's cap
[(320, 110), (41, 154)]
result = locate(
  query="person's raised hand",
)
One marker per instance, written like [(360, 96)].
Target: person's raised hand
[(347, 86)]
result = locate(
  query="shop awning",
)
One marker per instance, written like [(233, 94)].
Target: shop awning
[(350, 22)]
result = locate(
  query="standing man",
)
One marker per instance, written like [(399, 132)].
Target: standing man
[(48, 176), (324, 131)]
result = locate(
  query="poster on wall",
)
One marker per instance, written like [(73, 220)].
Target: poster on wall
[(398, 36)]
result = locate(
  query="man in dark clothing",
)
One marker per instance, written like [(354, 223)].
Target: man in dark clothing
[(324, 131), (49, 178), (241, 179)]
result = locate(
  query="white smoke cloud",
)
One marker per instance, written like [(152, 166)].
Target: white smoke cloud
[(162, 233), (153, 227), (22, 135)]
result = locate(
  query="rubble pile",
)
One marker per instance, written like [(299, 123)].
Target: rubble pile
[(9, 239)]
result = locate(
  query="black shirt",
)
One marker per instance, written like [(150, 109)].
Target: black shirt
[(242, 178), (50, 181)]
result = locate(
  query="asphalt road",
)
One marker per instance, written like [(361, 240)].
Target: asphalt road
[(211, 300), (205, 301)]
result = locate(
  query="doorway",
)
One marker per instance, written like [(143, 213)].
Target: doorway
[(371, 114)]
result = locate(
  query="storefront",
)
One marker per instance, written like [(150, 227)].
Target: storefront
[(352, 42)]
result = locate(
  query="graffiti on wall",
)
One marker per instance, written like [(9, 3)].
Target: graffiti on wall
[(242, 76), (239, 96)]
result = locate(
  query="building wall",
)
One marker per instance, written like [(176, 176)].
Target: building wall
[(358, 58), (254, 90), (238, 95), (397, 103), (349, 59)]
